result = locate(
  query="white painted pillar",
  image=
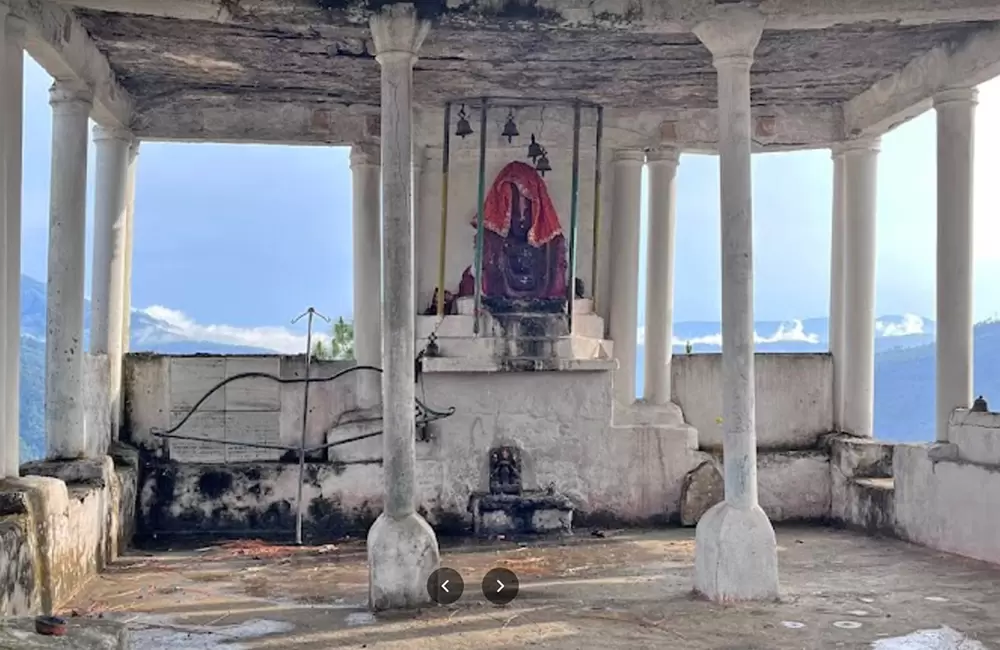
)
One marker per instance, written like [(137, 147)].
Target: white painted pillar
[(955, 154), (65, 432), (107, 290), (367, 270), (402, 547), (11, 112), (836, 330), (860, 184), (133, 161), (623, 324), (5, 434), (662, 169), (735, 548)]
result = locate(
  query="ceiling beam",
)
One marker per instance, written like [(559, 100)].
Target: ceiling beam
[(910, 92), (60, 44)]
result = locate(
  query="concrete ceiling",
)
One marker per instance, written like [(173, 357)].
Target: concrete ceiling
[(304, 71)]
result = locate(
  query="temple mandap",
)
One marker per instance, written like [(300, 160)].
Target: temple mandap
[(497, 153)]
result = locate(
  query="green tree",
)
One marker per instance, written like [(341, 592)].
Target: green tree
[(342, 340)]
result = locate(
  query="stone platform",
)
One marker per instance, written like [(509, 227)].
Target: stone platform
[(81, 634), (625, 590)]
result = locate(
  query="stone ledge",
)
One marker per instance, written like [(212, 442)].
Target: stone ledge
[(81, 634), (453, 364)]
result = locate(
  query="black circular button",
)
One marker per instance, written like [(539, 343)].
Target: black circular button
[(445, 586), (500, 586)]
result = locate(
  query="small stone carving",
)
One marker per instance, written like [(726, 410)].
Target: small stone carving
[(505, 471), (703, 488), (980, 406)]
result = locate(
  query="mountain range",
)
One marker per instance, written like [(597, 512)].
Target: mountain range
[(904, 364)]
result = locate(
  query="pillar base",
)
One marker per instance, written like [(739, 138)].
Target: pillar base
[(402, 554), (736, 555)]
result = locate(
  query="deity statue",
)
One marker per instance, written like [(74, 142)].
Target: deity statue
[(524, 251), (505, 471)]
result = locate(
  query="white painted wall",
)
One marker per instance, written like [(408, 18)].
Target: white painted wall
[(794, 398)]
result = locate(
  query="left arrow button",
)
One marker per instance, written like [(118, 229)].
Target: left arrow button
[(445, 586)]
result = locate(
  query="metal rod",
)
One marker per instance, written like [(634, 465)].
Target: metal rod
[(309, 313), (479, 217), (518, 102), (594, 261), (573, 217), (445, 151)]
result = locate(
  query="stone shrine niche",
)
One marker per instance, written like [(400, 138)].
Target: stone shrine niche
[(524, 250), (505, 471)]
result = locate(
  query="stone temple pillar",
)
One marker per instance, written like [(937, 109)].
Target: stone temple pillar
[(662, 167), (133, 161), (955, 153), (65, 431), (11, 114), (367, 271), (402, 547), (860, 166), (735, 549), (837, 256), (108, 268), (623, 323)]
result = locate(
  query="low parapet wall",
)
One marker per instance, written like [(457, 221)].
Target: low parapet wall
[(794, 394), (61, 523)]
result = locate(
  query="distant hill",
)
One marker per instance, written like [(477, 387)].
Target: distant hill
[(147, 335)]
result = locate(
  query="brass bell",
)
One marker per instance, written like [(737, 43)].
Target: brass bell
[(463, 128), (543, 165), (534, 149), (510, 129)]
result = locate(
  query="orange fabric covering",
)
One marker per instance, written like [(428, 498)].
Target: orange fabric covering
[(496, 213)]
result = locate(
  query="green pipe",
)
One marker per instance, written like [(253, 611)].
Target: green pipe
[(479, 217), (594, 262), (445, 151), (573, 216)]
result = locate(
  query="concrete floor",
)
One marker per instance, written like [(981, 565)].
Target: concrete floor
[(631, 589)]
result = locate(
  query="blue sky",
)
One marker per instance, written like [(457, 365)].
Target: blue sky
[(242, 238)]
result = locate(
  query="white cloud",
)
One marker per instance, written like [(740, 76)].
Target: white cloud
[(786, 332), (911, 324), (279, 339)]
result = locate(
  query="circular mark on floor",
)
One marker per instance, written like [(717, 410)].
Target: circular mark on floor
[(867, 600), (360, 618), (847, 625), (936, 599), (858, 612), (794, 625)]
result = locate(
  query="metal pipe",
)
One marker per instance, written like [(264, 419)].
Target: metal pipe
[(305, 419), (445, 151), (594, 261), (573, 216), (479, 217)]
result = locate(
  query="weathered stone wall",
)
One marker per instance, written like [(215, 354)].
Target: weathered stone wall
[(794, 398), (861, 472), (947, 494), (60, 523), (562, 422)]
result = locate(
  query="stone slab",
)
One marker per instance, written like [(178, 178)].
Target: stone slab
[(81, 634), (191, 378), (253, 393), (977, 435)]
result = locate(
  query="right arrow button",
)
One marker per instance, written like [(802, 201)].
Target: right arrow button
[(500, 586)]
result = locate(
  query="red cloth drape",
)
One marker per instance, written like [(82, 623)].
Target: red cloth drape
[(496, 213)]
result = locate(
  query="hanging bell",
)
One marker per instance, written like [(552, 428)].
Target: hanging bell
[(510, 129), (543, 165), (463, 128), (534, 149)]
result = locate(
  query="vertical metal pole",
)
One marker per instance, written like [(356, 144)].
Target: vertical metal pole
[(309, 313), (573, 216), (445, 152), (479, 218), (595, 260)]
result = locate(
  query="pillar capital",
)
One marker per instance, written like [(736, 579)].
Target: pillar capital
[(398, 33), (663, 156), (629, 156), (968, 96), (731, 35), (133, 150), (861, 145), (364, 154), (70, 95), (104, 133), (15, 26)]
